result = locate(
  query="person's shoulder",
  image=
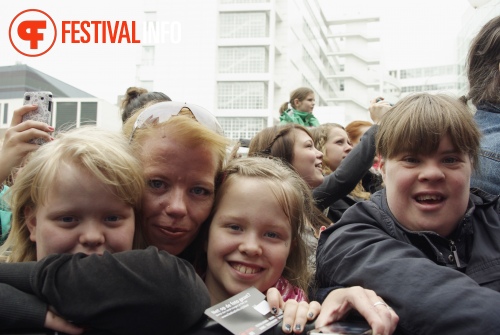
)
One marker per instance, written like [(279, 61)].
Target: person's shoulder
[(480, 197)]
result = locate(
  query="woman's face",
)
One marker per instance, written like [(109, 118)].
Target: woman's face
[(180, 183), (337, 147), (306, 105), (307, 160)]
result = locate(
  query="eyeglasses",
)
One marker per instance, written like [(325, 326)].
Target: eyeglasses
[(162, 111)]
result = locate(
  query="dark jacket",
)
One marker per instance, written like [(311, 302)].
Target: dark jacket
[(351, 170), (417, 273), (132, 292)]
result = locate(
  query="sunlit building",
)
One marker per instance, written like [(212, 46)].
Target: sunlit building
[(242, 58)]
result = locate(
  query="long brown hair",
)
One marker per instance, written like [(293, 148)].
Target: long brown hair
[(278, 142), (483, 64)]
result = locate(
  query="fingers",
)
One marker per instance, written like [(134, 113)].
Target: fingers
[(389, 318), (333, 308), (378, 109), (377, 99), (24, 133), (314, 310), (295, 316), (57, 323), (274, 299), (17, 117), (381, 318)]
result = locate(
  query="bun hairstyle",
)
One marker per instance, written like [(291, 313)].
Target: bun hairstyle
[(137, 97)]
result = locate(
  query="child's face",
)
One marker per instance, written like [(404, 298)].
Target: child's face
[(80, 215), (428, 193), (307, 160), (337, 147), (249, 240), (306, 105)]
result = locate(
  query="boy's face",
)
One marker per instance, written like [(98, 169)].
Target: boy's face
[(80, 215), (249, 240), (428, 193)]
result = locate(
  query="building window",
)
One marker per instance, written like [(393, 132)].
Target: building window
[(242, 127), (242, 95), (243, 60), (341, 85), (88, 113), (66, 115), (148, 55), (244, 25), (308, 60), (5, 119)]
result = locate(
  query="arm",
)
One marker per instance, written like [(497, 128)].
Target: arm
[(16, 142), (428, 298), (20, 310), (343, 180), (112, 292)]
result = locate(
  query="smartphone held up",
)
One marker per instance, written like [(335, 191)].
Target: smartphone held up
[(43, 99)]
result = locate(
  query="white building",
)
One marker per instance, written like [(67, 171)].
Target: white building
[(242, 58), (450, 78), (480, 12), (71, 106), (432, 79), (360, 77)]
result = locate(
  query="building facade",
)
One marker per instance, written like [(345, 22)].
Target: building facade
[(242, 58)]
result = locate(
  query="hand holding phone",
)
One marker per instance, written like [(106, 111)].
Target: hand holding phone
[(43, 113)]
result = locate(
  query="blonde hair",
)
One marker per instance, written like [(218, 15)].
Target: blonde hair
[(294, 197), (418, 122), (320, 136), (103, 154), (184, 128), (187, 132)]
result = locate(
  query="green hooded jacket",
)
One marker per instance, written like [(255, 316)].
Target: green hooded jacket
[(303, 118)]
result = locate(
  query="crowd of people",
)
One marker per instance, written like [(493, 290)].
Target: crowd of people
[(140, 231)]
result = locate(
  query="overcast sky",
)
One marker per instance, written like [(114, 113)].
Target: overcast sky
[(414, 33)]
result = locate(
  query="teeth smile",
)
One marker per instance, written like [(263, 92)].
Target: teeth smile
[(428, 197), (245, 269)]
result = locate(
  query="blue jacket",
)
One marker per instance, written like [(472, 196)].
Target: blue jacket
[(416, 273), (488, 176)]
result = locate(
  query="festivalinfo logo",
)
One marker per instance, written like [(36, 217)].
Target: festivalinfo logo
[(33, 32)]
